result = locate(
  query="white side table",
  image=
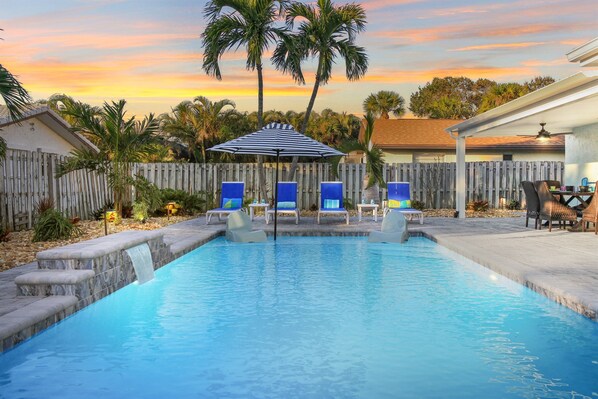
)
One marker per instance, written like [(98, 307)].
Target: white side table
[(253, 206), (372, 207)]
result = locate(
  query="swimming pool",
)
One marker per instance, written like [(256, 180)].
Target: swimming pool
[(313, 317)]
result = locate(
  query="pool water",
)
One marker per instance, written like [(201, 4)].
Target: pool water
[(313, 317)]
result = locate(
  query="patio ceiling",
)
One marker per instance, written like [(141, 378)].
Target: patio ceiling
[(563, 105)]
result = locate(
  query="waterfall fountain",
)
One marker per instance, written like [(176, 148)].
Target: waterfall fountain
[(142, 262)]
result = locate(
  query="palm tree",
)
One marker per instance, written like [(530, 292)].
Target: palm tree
[(242, 23), (501, 94), (121, 141), (195, 123), (16, 99), (373, 157), (64, 106), (384, 102), (325, 31)]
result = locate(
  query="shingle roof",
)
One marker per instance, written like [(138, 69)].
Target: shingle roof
[(417, 134), (53, 120)]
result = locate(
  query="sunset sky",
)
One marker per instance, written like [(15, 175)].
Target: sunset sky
[(149, 52)]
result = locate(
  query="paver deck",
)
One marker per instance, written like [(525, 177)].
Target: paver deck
[(560, 265)]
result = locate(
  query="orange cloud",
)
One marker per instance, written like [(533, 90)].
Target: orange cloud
[(420, 75), (495, 46), (371, 5), (538, 63)]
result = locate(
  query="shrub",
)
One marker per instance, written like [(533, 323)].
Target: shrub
[(513, 205), (43, 205), (127, 211), (98, 214), (420, 206), (52, 225), (148, 193), (4, 233), (190, 203), (140, 211), (478, 206), (348, 204)]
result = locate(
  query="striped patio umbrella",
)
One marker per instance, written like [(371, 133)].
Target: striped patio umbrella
[(277, 139)]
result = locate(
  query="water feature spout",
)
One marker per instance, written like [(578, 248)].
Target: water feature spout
[(142, 262)]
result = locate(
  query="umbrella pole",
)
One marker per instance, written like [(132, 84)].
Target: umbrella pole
[(276, 196)]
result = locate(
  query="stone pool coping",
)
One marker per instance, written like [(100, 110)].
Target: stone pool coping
[(500, 245)]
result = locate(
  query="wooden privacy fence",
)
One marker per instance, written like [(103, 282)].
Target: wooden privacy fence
[(27, 177)]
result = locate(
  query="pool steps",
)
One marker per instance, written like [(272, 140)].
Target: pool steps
[(72, 277)]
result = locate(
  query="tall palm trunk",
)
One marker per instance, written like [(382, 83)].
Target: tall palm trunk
[(260, 123), (310, 106)]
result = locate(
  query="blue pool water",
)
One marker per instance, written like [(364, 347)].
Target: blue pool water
[(331, 317)]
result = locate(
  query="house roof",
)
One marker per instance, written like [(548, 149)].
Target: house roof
[(586, 54), (53, 121), (430, 134)]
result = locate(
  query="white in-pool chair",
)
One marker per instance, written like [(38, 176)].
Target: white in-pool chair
[(394, 229), (238, 229)]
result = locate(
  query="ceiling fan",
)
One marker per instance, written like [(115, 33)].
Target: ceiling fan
[(544, 134)]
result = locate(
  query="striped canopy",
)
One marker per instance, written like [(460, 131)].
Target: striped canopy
[(277, 139)]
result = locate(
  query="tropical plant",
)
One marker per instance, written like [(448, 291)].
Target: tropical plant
[(16, 99), (52, 225), (140, 211), (373, 157), (383, 103), (501, 94), (67, 106), (196, 123), (242, 23), (325, 31), (121, 141), (190, 203)]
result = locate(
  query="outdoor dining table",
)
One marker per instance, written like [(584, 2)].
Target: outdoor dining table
[(567, 196)]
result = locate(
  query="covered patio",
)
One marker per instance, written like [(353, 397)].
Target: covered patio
[(566, 106)]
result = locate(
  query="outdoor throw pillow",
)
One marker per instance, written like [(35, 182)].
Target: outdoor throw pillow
[(394, 203), (286, 204), (405, 204), (399, 204), (331, 204), (232, 203)]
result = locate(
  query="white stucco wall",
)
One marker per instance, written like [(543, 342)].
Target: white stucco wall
[(581, 154), (24, 138), (473, 156)]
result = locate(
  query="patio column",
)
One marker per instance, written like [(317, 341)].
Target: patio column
[(460, 178)]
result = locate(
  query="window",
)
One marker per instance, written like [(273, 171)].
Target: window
[(507, 157)]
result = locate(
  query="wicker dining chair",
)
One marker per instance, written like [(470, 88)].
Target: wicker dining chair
[(590, 215), (532, 203), (551, 209)]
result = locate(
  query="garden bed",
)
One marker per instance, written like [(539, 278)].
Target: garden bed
[(20, 250)]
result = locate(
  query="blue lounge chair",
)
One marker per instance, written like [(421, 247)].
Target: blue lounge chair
[(399, 199), (287, 201), (331, 200), (231, 200)]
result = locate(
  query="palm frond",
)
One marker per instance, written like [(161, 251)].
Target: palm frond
[(14, 95)]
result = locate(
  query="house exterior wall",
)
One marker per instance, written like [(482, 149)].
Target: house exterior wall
[(581, 155), (22, 137), (407, 156)]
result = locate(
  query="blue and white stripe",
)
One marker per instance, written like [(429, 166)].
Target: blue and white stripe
[(277, 139)]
